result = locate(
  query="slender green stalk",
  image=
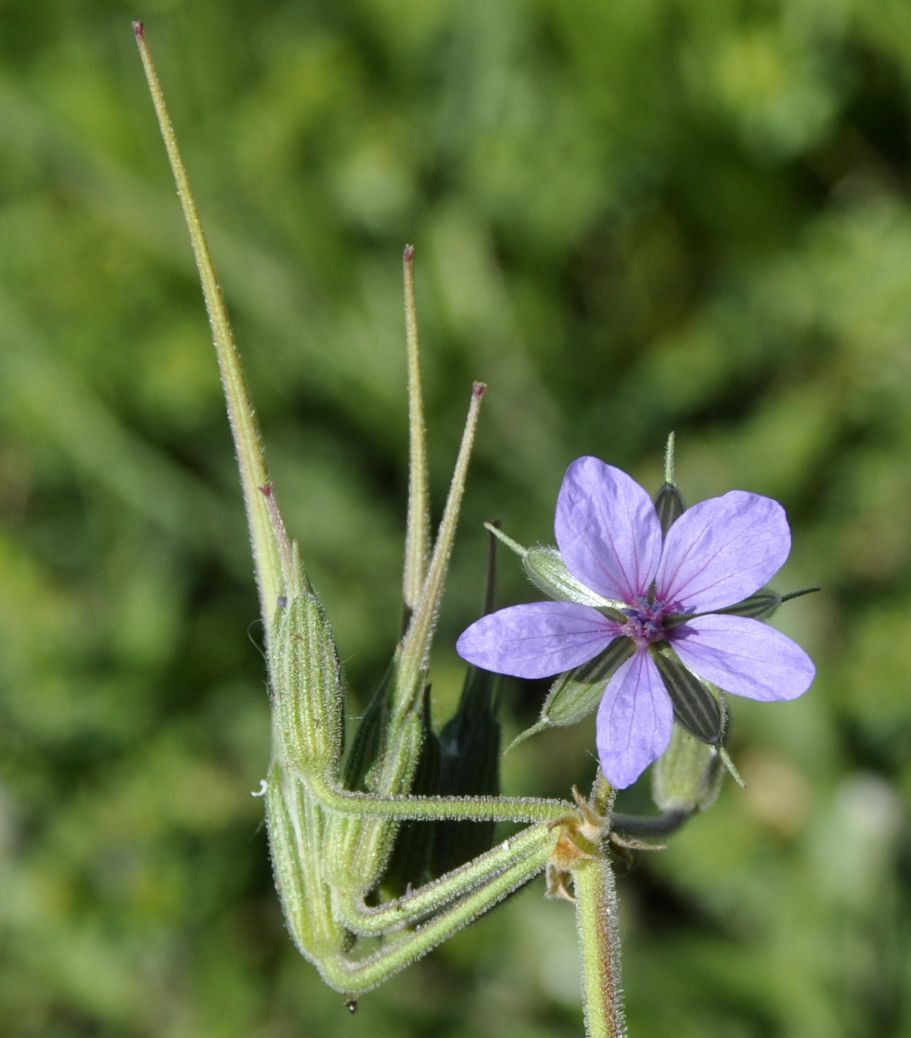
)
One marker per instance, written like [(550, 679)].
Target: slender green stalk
[(416, 644), (599, 947), (356, 977), (417, 529), (415, 808), (650, 825), (244, 428), (374, 920)]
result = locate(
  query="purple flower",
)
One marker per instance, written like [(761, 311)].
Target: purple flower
[(655, 589)]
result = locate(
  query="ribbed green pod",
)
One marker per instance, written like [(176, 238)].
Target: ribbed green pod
[(296, 828), (306, 686), (367, 743), (365, 843)]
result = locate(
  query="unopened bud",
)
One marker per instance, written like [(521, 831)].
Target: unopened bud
[(669, 506), (687, 776)]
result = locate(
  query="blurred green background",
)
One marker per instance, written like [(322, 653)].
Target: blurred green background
[(629, 218)]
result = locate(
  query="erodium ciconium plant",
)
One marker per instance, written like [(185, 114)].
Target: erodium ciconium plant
[(657, 613)]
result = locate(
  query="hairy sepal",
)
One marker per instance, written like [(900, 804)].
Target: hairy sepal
[(546, 569), (761, 606), (669, 506), (577, 693)]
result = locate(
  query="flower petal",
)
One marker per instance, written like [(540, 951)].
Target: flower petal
[(607, 530), (743, 656), (635, 720), (533, 641), (722, 550)]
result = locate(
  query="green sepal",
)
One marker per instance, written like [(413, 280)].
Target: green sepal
[(696, 706), (469, 766), (576, 694), (764, 603), (730, 766), (669, 506), (687, 776), (760, 606), (409, 863), (306, 684), (546, 569)]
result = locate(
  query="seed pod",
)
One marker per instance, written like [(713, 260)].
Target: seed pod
[(295, 823), (306, 685), (696, 706)]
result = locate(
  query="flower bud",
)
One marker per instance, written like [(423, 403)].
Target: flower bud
[(669, 506), (687, 776)]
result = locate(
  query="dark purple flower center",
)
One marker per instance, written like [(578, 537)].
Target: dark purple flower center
[(645, 623)]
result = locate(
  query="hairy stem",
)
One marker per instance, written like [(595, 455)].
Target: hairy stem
[(431, 809), (417, 535), (356, 977), (599, 947), (375, 920)]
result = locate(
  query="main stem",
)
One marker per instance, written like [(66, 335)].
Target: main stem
[(599, 947), (596, 924)]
